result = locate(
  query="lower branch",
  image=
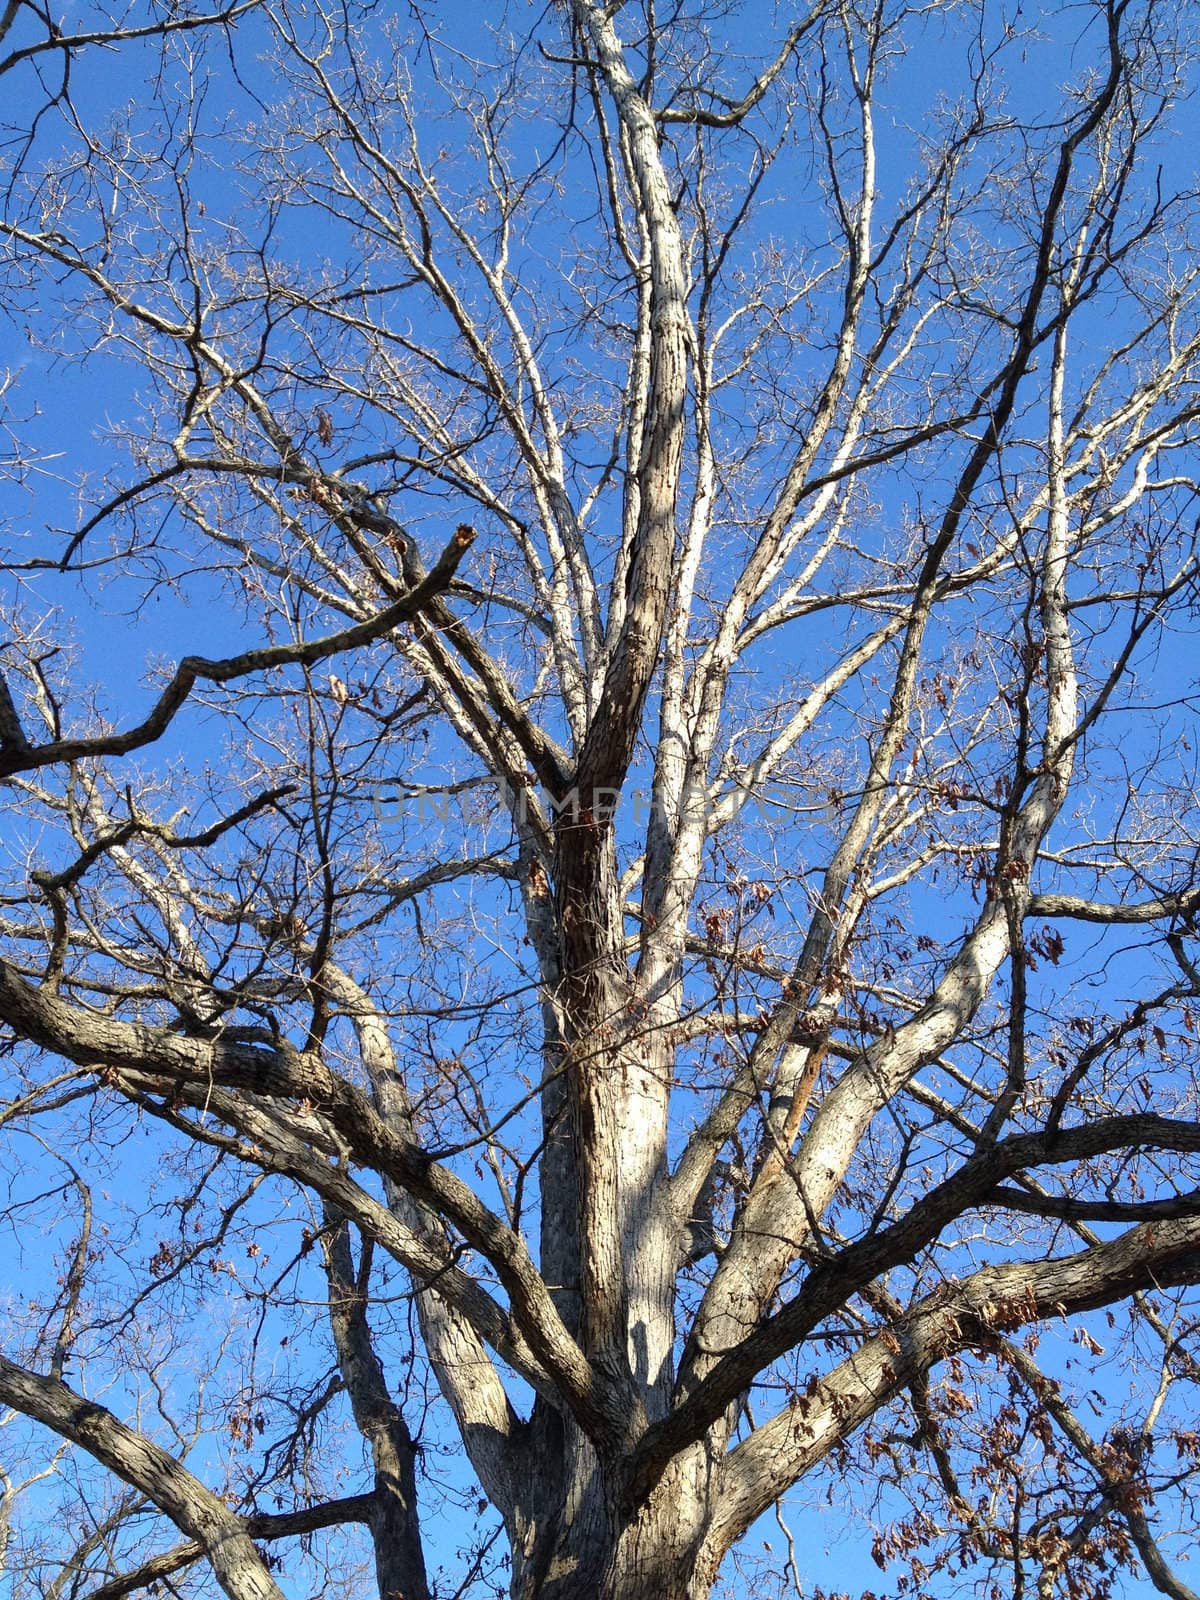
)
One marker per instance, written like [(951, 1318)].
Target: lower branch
[(395, 1522), (954, 1317), (263, 1525), (222, 1535)]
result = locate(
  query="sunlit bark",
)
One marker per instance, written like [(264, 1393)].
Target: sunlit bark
[(631, 971)]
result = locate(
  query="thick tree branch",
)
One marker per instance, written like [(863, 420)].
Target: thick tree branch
[(955, 1317), (259, 1525), (835, 1279), (282, 1072), (138, 1461)]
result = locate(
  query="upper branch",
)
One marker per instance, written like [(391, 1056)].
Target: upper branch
[(736, 110), (17, 755), (608, 747), (66, 43)]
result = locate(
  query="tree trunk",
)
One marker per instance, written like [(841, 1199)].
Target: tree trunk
[(592, 1554)]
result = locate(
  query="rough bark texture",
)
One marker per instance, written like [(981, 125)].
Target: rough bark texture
[(697, 1080)]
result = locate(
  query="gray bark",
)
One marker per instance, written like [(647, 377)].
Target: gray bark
[(614, 1369)]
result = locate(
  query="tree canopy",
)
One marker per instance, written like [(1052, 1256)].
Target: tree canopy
[(598, 926)]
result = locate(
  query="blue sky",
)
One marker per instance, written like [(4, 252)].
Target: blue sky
[(124, 625)]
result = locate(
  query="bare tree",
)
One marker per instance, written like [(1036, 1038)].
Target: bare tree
[(634, 949)]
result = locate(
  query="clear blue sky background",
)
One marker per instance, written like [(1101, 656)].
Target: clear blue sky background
[(121, 630)]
